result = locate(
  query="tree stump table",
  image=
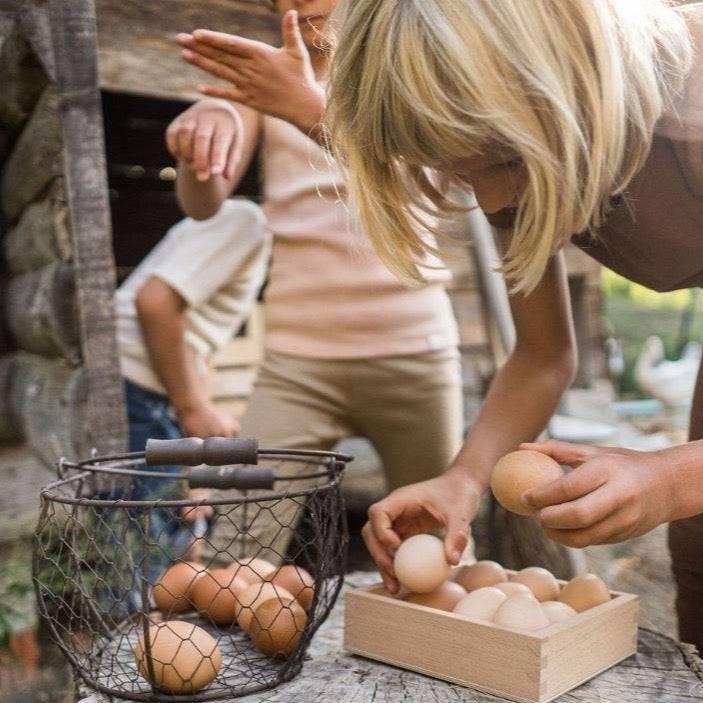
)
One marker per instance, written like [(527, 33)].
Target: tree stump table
[(663, 671)]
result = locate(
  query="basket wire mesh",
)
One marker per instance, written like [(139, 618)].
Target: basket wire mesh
[(99, 553)]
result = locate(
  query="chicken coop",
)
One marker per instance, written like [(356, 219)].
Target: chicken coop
[(86, 190)]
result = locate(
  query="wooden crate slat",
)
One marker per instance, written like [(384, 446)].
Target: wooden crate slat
[(41, 312), (137, 51), (47, 401), (42, 235), (35, 24), (74, 35), (35, 159)]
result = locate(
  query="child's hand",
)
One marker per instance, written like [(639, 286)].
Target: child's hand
[(612, 495), (206, 420), (206, 137), (277, 82), (449, 501)]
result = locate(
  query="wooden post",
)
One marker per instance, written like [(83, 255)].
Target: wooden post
[(73, 33)]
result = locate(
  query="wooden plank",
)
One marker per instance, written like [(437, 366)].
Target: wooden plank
[(33, 16), (22, 475), (41, 314), (35, 159), (23, 78), (663, 671), (137, 51), (42, 234), (47, 401), (74, 39)]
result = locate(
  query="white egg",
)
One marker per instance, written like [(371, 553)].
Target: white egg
[(420, 563), (556, 611), (480, 604), (521, 613)]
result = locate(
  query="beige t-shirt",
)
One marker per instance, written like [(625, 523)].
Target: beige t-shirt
[(329, 295), (217, 265)]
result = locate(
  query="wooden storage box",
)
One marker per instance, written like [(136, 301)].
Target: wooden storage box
[(534, 667)]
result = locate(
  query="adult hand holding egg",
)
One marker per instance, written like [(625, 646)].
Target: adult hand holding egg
[(612, 495), (449, 501)]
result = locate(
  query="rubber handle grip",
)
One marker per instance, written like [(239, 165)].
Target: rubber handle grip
[(193, 451), (242, 477)]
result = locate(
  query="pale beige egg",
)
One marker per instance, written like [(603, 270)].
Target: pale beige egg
[(253, 596), (480, 574), (521, 613), (252, 570), (517, 473), (296, 581), (173, 592), (514, 589), (184, 658), (215, 595), (584, 591), (276, 627), (420, 563), (557, 611), (540, 581), (443, 598), (480, 604)]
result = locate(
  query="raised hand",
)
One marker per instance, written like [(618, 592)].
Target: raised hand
[(277, 82)]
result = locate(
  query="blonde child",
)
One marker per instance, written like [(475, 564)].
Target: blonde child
[(574, 119)]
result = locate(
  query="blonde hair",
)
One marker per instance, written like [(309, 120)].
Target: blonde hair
[(574, 87)]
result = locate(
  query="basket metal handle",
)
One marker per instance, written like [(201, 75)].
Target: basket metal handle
[(193, 451)]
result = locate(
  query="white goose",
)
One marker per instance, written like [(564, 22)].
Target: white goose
[(672, 382)]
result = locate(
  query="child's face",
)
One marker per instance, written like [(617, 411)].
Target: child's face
[(497, 181), (312, 16)]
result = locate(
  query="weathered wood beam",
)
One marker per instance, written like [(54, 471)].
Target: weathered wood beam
[(137, 51), (35, 159), (42, 235), (47, 405), (40, 310), (73, 33), (23, 79)]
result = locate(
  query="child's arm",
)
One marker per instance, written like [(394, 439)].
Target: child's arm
[(214, 142), (277, 82), (616, 494), (161, 312)]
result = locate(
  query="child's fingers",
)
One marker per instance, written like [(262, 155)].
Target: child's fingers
[(202, 143), (233, 157), (172, 140), (570, 487), (221, 142), (231, 43), (218, 55), (210, 66), (185, 140), (582, 513)]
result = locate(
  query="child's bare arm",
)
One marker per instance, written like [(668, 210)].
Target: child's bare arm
[(161, 312), (214, 142)]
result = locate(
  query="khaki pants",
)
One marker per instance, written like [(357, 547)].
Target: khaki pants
[(409, 407)]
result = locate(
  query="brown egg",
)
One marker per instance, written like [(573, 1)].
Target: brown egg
[(443, 598), (522, 613), (557, 611), (276, 628), (296, 581), (252, 570), (215, 595), (253, 596), (584, 591), (185, 658), (517, 473), (480, 575), (540, 581), (514, 589), (173, 592)]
